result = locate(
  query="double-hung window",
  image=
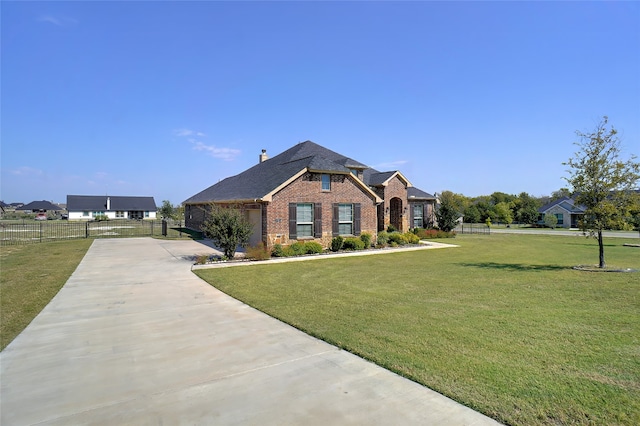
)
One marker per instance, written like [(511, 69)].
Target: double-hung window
[(418, 216), (345, 219), (304, 220)]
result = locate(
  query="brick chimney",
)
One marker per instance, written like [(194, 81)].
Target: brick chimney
[(264, 156)]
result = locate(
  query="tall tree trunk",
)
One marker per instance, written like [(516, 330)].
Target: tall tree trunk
[(602, 265)]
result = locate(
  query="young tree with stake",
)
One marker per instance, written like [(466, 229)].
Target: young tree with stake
[(601, 181)]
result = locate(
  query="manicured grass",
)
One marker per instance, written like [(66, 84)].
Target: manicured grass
[(30, 276), (502, 324)]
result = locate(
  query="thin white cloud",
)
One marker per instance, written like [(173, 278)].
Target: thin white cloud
[(60, 21), (27, 171), (101, 175), (393, 165), (188, 132), (226, 154)]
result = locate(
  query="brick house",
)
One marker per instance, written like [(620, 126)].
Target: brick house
[(309, 192)]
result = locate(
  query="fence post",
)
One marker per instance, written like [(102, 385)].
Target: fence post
[(152, 223), (86, 229), (164, 228)]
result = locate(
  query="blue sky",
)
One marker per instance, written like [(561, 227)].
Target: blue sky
[(167, 98)]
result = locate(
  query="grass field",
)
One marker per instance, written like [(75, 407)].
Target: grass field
[(30, 275), (502, 324)]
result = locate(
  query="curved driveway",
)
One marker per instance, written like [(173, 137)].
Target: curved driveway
[(135, 338)]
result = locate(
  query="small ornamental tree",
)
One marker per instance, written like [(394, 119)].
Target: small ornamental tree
[(228, 229), (602, 182), (550, 220)]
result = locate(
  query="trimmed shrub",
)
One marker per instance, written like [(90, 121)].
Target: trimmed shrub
[(383, 239), (397, 238), (366, 239), (277, 251), (391, 229), (336, 243), (412, 238), (297, 248), (353, 243), (312, 247)]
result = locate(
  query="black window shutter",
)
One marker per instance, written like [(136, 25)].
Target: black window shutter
[(317, 220), (293, 219), (356, 219), (335, 229), (411, 216)]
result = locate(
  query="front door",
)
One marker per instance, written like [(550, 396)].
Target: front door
[(395, 213)]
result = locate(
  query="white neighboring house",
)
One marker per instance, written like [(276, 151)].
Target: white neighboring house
[(87, 207)]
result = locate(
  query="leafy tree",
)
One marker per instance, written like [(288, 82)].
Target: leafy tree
[(167, 211), (472, 214), (634, 213), (503, 212), (228, 228), (448, 211), (501, 197), (562, 192), (526, 208), (601, 181)]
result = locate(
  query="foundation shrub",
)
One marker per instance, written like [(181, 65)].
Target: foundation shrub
[(296, 249), (366, 239), (383, 239), (312, 247), (336, 243), (277, 250), (398, 239), (412, 238), (353, 243)]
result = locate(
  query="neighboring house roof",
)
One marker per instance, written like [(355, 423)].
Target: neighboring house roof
[(119, 203), (39, 205), (16, 205), (566, 203), (3, 204)]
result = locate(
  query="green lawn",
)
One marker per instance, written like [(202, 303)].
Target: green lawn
[(30, 275), (501, 324)]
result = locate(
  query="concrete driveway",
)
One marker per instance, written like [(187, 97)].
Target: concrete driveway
[(134, 337)]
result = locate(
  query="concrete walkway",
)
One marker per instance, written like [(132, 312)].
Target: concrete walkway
[(134, 337)]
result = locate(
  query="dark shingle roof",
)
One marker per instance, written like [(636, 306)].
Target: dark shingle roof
[(99, 203), (415, 193), (263, 178), (39, 205)]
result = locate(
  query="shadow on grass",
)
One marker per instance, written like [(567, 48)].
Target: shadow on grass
[(516, 266)]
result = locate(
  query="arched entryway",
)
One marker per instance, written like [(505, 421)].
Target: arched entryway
[(395, 213)]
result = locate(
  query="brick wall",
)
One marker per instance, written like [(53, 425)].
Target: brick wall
[(308, 189), (396, 189)]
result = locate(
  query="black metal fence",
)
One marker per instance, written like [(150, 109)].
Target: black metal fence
[(26, 232), (473, 228)]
